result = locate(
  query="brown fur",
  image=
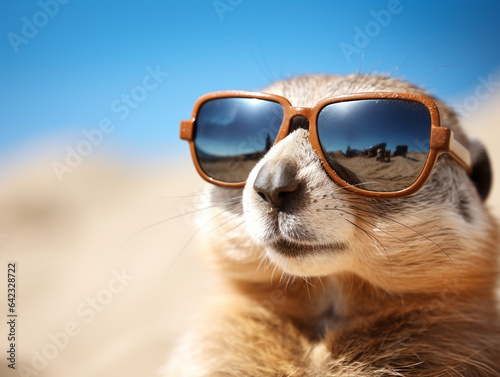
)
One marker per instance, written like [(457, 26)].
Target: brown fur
[(413, 294)]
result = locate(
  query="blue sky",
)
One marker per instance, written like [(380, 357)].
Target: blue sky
[(79, 66)]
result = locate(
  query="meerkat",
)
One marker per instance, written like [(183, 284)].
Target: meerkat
[(321, 281)]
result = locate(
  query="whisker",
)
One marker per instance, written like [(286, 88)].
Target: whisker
[(269, 264), (361, 184), (162, 222), (420, 234), (373, 67), (290, 277), (307, 288), (262, 258), (172, 263), (405, 60), (274, 270), (390, 219), (322, 285), (308, 281), (220, 202), (360, 68), (229, 219), (192, 195), (375, 241), (372, 209), (438, 68), (283, 271), (238, 225), (373, 225), (197, 231)]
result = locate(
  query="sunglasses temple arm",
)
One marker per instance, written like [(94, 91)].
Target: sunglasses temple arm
[(461, 154), (186, 131)]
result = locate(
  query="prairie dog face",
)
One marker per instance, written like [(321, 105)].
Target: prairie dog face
[(317, 228)]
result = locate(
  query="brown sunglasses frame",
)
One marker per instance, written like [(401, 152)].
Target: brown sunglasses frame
[(442, 139)]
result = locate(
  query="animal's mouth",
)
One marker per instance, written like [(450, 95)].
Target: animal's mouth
[(297, 249)]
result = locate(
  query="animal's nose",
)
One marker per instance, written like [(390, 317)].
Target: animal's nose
[(276, 182)]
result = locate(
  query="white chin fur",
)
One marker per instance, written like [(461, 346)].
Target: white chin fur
[(308, 265)]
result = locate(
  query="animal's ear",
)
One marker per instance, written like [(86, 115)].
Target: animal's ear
[(481, 169)]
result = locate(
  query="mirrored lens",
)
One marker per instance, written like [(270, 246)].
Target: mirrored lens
[(378, 145), (232, 135)]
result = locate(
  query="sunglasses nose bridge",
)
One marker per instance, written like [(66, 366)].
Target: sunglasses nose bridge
[(299, 119), (304, 111)]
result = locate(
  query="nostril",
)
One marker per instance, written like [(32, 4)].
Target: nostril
[(262, 195), (284, 195), (276, 181)]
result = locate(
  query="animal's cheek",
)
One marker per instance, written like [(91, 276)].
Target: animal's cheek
[(329, 225)]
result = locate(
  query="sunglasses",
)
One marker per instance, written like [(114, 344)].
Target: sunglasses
[(379, 144)]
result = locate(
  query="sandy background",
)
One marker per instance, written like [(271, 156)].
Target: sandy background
[(69, 242)]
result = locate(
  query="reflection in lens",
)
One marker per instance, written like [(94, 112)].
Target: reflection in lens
[(378, 145), (232, 135)]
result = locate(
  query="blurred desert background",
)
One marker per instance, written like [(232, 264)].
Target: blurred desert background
[(124, 299), (120, 300), (71, 240)]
